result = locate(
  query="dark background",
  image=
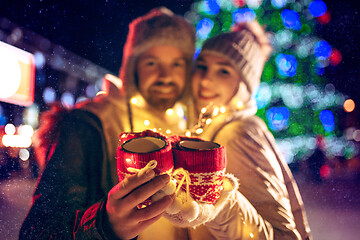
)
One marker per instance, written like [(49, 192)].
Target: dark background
[(97, 29)]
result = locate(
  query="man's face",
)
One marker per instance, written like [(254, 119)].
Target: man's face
[(161, 73), (215, 81)]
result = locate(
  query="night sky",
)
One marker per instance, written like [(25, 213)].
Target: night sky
[(97, 29)]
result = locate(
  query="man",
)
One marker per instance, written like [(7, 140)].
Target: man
[(78, 195)]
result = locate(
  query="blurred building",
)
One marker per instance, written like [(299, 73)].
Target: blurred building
[(52, 74)]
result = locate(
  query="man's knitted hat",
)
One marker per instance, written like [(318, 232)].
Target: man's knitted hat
[(243, 50), (158, 27)]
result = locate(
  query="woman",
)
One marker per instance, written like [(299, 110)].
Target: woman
[(227, 74)]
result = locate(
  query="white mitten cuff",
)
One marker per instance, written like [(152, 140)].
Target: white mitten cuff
[(193, 213)]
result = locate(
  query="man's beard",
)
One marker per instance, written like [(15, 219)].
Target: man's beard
[(161, 104), (164, 103)]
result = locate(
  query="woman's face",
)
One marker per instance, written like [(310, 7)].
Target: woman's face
[(214, 81)]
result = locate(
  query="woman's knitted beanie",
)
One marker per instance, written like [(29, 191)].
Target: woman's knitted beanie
[(158, 27), (242, 49)]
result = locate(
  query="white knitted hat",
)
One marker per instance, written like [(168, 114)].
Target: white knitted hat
[(158, 27)]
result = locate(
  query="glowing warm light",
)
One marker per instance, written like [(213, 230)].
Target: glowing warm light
[(26, 130), (222, 109), (349, 105), (10, 77), (17, 75), (216, 111), (199, 131), (146, 122), (208, 121), (134, 100), (170, 111), (16, 141), (239, 104), (182, 125), (188, 133), (128, 160), (24, 154), (168, 131), (100, 93), (251, 235), (31, 116), (180, 112), (113, 79), (10, 129), (203, 110)]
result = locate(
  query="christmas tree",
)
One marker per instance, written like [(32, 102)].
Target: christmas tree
[(294, 97)]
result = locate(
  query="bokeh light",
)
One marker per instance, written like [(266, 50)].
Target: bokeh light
[(263, 95), (278, 118), (322, 49), (349, 105), (243, 15), (292, 95), (324, 19), (204, 27), (328, 120), (24, 154), (335, 57), (211, 7), (67, 99), (239, 3), (286, 65), (39, 60), (291, 19), (278, 3), (254, 4), (317, 8), (10, 129), (49, 95)]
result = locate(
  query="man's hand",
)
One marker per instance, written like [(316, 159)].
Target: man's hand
[(126, 220)]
